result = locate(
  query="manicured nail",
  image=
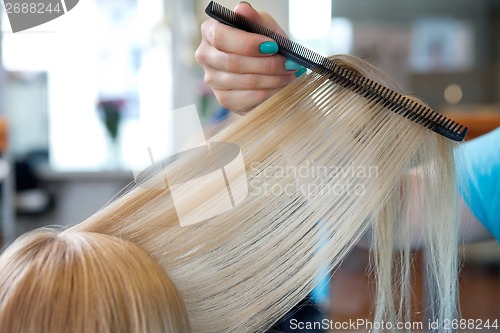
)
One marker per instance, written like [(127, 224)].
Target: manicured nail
[(268, 48), (291, 65), (245, 2), (301, 71)]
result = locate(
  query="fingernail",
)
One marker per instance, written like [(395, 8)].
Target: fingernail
[(291, 65), (268, 48), (245, 2), (301, 71)]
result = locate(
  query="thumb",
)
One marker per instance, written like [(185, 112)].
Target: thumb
[(262, 18)]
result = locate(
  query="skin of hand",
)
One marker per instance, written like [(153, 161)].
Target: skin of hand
[(242, 68)]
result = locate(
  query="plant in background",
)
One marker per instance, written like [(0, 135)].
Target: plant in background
[(111, 112)]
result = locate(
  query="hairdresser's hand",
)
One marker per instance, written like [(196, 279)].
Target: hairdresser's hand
[(243, 68)]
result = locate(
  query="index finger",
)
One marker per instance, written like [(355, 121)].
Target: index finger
[(232, 40), (262, 18)]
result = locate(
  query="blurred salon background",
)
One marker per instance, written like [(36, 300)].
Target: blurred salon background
[(77, 92)]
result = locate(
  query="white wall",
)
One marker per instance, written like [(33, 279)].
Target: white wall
[(278, 9)]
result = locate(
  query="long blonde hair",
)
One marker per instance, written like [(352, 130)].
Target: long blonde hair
[(323, 165)]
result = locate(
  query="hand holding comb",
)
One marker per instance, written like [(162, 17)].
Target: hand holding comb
[(417, 112)]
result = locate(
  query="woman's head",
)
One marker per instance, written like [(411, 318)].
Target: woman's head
[(85, 282)]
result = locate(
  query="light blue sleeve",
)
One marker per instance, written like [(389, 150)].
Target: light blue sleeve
[(478, 171)]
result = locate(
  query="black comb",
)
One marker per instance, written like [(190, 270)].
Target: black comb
[(344, 76)]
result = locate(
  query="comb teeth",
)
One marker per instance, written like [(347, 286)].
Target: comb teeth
[(344, 76)]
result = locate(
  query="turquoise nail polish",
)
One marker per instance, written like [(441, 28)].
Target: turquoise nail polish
[(301, 71), (268, 48), (291, 65)]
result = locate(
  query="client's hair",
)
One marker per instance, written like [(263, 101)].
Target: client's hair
[(324, 165), (85, 282)]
